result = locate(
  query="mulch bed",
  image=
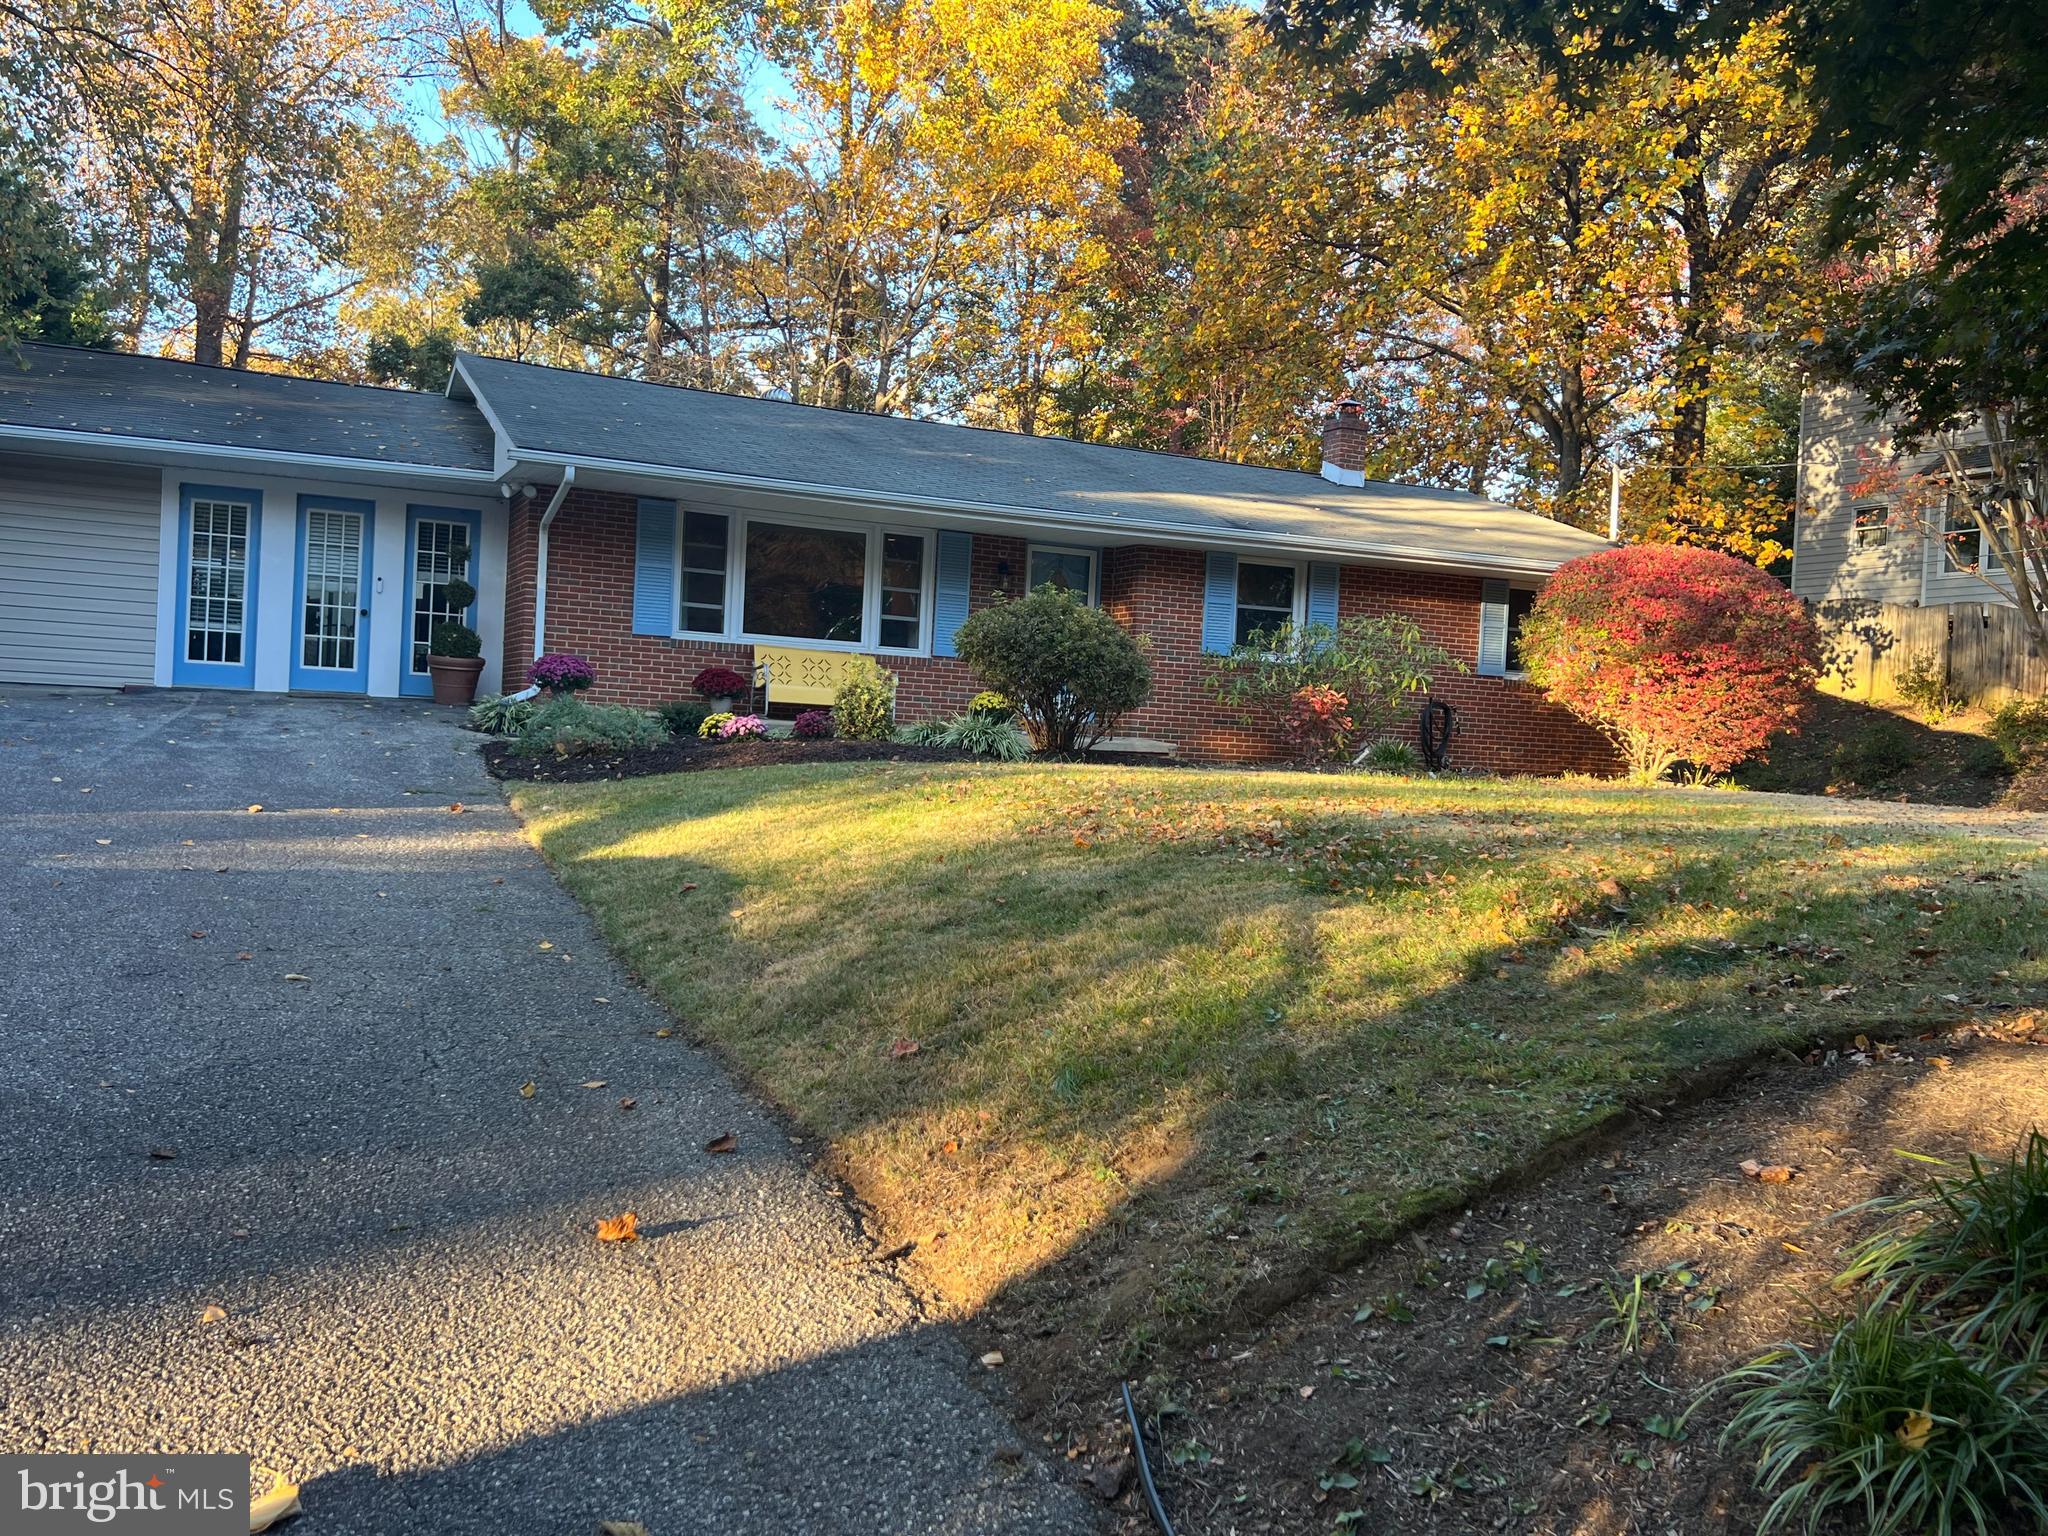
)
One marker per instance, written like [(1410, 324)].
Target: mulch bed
[(1520, 1409), (689, 756)]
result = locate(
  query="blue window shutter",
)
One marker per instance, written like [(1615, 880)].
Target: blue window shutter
[(1493, 629), (1219, 605), (654, 569), (954, 577), (1322, 594)]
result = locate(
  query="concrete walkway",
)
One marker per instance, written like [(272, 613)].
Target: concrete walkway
[(271, 1061)]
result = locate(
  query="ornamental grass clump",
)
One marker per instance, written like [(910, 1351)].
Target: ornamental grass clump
[(1927, 1409)]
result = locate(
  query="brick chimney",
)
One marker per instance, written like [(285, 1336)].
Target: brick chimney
[(1344, 443)]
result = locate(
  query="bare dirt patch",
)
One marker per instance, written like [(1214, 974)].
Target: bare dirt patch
[(1477, 1374)]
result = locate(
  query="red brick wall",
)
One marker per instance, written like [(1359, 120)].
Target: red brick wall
[(1503, 726)]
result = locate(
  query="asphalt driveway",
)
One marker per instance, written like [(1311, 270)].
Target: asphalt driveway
[(272, 1061)]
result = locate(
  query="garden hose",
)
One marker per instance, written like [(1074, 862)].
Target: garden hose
[(1436, 726), (1145, 1466)]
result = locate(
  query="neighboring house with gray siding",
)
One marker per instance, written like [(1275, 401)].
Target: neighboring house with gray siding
[(1859, 535)]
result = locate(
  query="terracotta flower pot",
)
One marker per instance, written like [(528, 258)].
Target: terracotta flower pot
[(455, 678)]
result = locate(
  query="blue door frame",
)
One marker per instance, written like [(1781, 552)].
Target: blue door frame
[(313, 675), (222, 654), (416, 605)]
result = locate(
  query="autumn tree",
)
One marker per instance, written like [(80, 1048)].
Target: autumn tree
[(47, 287), (214, 139)]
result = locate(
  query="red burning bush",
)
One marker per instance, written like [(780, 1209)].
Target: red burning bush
[(1679, 655)]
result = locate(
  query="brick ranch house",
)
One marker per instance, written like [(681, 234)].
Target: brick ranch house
[(181, 526)]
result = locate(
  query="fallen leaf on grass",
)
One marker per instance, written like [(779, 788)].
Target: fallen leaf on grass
[(1766, 1173), (528, 1089), (266, 1509), (1915, 1432), (903, 1047), (660, 1034), (1939, 1063), (622, 1228), (689, 885), (456, 808), (254, 809), (213, 1313), (727, 1142)]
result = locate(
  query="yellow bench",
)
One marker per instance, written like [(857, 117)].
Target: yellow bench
[(793, 675)]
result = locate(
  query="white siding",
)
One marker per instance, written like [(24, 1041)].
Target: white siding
[(78, 572)]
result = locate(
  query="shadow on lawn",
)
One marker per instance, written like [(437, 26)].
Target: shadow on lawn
[(1280, 1083)]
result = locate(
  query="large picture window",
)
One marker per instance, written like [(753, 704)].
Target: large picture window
[(805, 583), (1265, 598)]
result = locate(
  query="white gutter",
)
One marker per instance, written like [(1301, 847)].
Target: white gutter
[(159, 447), (1001, 514), (540, 564)]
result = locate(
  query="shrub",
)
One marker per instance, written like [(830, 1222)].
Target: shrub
[(561, 673), (721, 683), (497, 715), (709, 727), (1881, 750), (452, 637), (1393, 756), (1377, 663), (682, 717), (456, 640), (1318, 723), (738, 727), (989, 702), (569, 726), (1676, 654), (2020, 727), (1071, 671), (1893, 1424), (986, 736), (864, 709), (1923, 683), (813, 724)]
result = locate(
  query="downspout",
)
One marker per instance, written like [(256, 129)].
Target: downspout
[(540, 573)]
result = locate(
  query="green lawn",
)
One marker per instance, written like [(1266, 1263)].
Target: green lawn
[(1209, 1027)]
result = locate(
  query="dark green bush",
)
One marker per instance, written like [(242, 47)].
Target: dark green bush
[(683, 716), (456, 640), (1070, 671), (570, 727), (1880, 751), (864, 708), (2020, 727)]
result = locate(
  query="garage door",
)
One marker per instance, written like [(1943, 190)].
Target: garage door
[(78, 550)]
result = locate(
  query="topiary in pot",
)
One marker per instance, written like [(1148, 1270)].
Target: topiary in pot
[(454, 650)]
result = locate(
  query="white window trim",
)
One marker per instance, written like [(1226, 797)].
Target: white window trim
[(1094, 565), (726, 610), (1300, 568), (1857, 527), (1988, 563), (736, 526)]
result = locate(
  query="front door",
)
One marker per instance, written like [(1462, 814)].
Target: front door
[(330, 652), (440, 547)]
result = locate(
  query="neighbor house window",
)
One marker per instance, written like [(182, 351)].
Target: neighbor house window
[(805, 583), (1962, 541), (1265, 598), (902, 607), (1070, 570), (1873, 526), (704, 560), (1520, 601)]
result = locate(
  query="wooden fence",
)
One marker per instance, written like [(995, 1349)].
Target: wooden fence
[(1981, 648)]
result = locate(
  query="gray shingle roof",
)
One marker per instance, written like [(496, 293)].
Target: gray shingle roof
[(556, 414), (119, 394)]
